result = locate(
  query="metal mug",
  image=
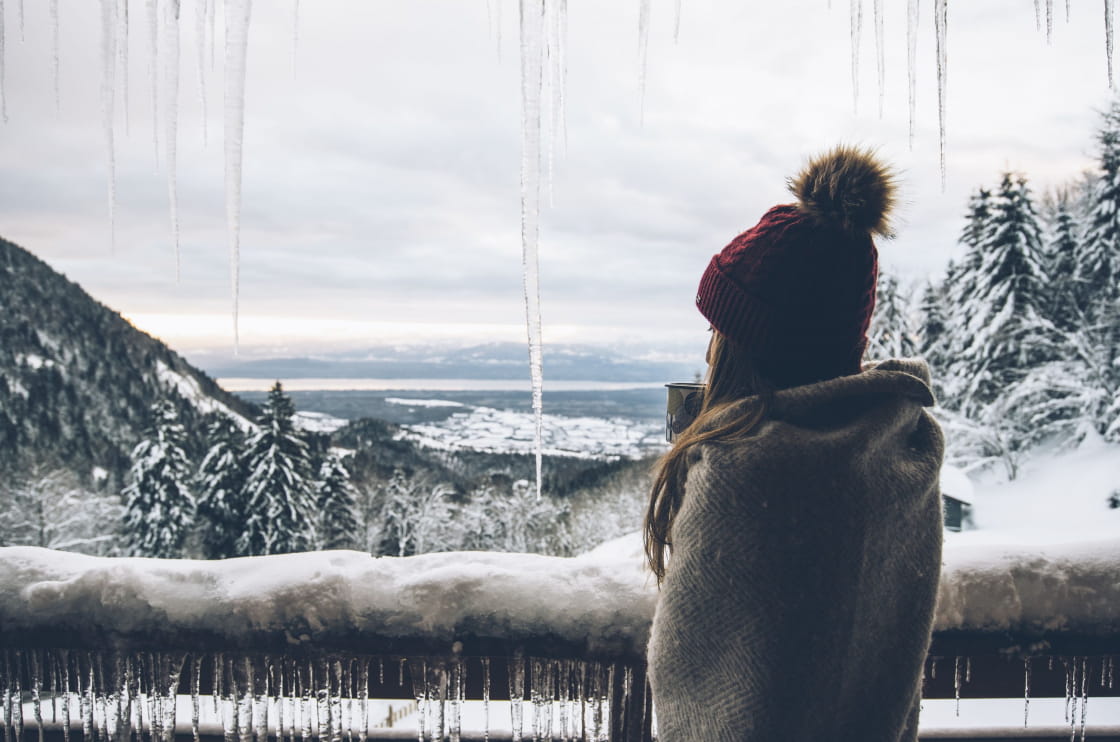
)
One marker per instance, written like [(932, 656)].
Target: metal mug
[(682, 407)]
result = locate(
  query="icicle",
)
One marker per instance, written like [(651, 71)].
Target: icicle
[(237, 42), (108, 93), (498, 26), (437, 699), (245, 727), (260, 690), (1037, 16), (200, 34), (306, 700), (363, 699), (563, 692), (281, 686), (957, 683), (3, 99), (19, 12), (217, 671), (1049, 20), (418, 672), (1026, 690), (196, 682), (295, 35), (643, 53), (516, 694), (136, 701), (1084, 693), (557, 73), (101, 719), (967, 669), (54, 54), (211, 15), (36, 667), (677, 24), (880, 53), (856, 7), (171, 113), (1069, 685), (122, 56), (334, 685), (64, 685), (112, 700), (230, 722), (532, 40), (1067, 11), (941, 28), (153, 70), (1108, 13), (55, 685), (85, 688), (455, 697), (486, 699)]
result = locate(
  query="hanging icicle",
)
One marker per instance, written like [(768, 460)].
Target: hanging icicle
[(532, 58), (170, 60), (238, 13), (154, 70), (856, 29), (295, 36), (200, 48), (912, 15), (3, 99), (643, 54), (677, 24), (1108, 18), (880, 53), (122, 58), (54, 55), (941, 28), (108, 95), (1049, 20)]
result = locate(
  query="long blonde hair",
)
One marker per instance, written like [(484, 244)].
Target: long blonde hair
[(732, 376)]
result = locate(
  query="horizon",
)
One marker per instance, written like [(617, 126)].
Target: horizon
[(380, 197)]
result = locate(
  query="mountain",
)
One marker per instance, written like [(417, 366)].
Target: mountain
[(77, 381), (496, 361)]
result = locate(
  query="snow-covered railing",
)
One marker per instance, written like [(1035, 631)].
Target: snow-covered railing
[(300, 644)]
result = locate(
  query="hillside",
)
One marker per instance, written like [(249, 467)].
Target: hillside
[(77, 380)]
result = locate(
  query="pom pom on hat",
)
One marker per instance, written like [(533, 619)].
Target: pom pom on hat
[(849, 188)]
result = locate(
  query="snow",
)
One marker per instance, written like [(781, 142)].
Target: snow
[(34, 360), (504, 431), (602, 605), (317, 422), (171, 114), (422, 402), (941, 28), (189, 390)]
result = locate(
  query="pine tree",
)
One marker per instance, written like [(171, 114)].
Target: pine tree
[(335, 498), (1061, 266), (891, 334), (933, 328), (1098, 261), (1000, 326), (277, 493), (220, 484), (158, 503)]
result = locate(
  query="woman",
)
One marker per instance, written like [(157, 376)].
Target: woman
[(801, 509)]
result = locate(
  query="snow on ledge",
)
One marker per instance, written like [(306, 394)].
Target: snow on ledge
[(599, 604)]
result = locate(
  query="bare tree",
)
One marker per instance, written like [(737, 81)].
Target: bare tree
[(49, 508)]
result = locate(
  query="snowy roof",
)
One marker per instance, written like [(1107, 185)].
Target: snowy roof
[(956, 484), (599, 604)]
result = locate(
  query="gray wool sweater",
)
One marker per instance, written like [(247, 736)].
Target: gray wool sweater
[(799, 597)]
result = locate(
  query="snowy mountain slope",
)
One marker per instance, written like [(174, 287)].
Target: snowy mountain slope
[(77, 381)]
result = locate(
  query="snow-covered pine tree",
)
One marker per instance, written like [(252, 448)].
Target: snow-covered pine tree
[(1062, 249), (932, 329), (220, 486), (278, 494), (1098, 261), (158, 503), (891, 334), (335, 497), (1000, 326)]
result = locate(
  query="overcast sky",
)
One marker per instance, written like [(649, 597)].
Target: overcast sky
[(382, 159)]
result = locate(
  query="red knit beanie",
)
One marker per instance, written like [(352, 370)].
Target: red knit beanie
[(797, 290)]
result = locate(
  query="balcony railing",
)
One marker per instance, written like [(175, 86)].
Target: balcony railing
[(335, 645)]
